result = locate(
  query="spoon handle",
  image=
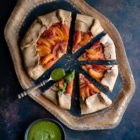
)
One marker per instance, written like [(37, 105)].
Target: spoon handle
[(26, 92)]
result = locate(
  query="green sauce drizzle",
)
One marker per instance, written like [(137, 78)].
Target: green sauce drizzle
[(44, 130), (57, 74)]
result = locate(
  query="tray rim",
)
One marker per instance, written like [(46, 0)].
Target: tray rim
[(115, 112)]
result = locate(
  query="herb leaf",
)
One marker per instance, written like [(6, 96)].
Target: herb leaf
[(70, 76)]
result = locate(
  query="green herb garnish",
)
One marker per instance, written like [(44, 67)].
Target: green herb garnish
[(59, 92), (70, 76)]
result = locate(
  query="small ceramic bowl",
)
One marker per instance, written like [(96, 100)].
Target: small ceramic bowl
[(45, 119)]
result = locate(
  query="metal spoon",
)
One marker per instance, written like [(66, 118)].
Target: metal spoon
[(56, 75)]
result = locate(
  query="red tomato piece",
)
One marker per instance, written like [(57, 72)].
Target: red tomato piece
[(55, 48), (96, 44), (101, 67)]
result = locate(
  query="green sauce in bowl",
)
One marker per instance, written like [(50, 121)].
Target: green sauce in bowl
[(44, 130)]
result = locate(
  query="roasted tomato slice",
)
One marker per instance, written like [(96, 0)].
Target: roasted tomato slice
[(56, 25), (54, 50), (47, 33), (99, 67), (62, 46), (96, 44)]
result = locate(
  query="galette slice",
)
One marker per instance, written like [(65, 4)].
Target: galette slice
[(104, 49), (61, 92), (86, 28), (91, 99), (45, 42), (104, 74)]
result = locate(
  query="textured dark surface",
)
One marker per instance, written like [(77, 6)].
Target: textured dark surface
[(16, 115)]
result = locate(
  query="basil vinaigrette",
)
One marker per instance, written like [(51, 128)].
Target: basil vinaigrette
[(57, 74), (44, 130)]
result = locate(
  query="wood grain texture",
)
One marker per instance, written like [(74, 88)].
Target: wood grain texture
[(106, 119)]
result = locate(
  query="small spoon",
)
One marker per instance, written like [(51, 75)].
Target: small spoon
[(56, 75)]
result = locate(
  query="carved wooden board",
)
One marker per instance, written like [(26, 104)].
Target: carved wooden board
[(105, 119)]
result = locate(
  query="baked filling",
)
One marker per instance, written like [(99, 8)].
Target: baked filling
[(52, 44), (80, 39)]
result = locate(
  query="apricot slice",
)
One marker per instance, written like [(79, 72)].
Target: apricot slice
[(85, 40), (59, 33), (95, 55), (87, 91), (43, 50), (95, 74), (91, 86), (47, 58), (77, 37), (44, 41), (49, 64), (65, 31), (69, 87)]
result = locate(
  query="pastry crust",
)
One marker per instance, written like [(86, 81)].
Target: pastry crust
[(28, 44), (110, 77), (109, 47), (64, 100), (94, 103), (86, 23), (51, 94)]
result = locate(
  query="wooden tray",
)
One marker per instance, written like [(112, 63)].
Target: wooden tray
[(105, 119)]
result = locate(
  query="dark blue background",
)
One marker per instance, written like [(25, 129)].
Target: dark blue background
[(16, 115)]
